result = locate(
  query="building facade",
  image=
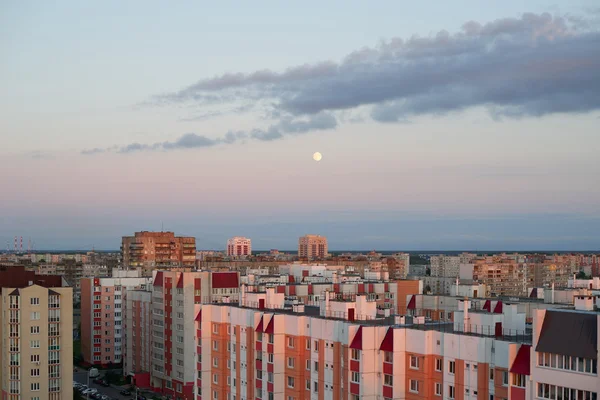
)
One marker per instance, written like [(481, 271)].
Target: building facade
[(36, 353), (102, 328), (157, 250), (239, 247), (311, 247)]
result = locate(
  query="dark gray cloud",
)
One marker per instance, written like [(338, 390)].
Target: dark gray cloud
[(286, 126), (529, 66)]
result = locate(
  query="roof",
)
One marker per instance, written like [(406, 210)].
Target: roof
[(521, 365), (158, 279), (18, 277), (259, 327), (270, 326), (199, 316), (388, 341), (223, 280), (498, 308), (357, 341), (180, 282), (412, 303), (569, 333)]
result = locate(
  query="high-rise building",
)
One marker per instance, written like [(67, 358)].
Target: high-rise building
[(102, 327), (36, 352), (160, 337), (312, 247), (239, 246), (157, 250)]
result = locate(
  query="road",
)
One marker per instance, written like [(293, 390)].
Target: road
[(112, 391)]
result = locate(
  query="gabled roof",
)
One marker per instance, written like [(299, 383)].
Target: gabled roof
[(388, 341), (569, 333), (180, 282), (498, 308), (225, 280), (488, 306), (534, 293), (270, 326), (357, 341), (412, 304), (521, 364), (199, 316), (259, 327), (158, 279)]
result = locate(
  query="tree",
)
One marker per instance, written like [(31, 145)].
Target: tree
[(581, 275), (428, 271)]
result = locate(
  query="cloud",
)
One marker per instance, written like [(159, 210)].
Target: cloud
[(516, 67), (530, 66), (287, 126)]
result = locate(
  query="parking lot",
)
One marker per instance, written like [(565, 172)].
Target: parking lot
[(103, 392)]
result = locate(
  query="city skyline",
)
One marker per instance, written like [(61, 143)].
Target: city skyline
[(468, 128)]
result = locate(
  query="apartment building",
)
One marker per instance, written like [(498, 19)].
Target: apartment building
[(160, 331), (102, 300), (36, 353), (312, 247), (239, 246), (449, 266), (157, 250)]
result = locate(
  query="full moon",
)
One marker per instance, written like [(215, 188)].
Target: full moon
[(317, 156)]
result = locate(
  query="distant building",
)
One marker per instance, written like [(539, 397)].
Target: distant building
[(312, 247), (157, 250), (239, 246), (36, 326)]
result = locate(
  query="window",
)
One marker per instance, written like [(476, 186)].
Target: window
[(355, 354), (258, 374), (35, 330), (215, 378), (179, 350), (438, 364), (35, 315), (414, 386), (215, 362), (180, 315), (316, 387), (388, 380), (34, 301), (491, 374), (438, 389), (451, 391), (388, 357), (271, 338), (215, 345), (270, 377), (451, 367), (308, 365), (316, 345), (518, 380), (35, 358), (270, 358), (215, 328), (356, 377), (316, 369), (35, 344), (290, 342), (35, 372), (290, 381), (505, 378), (259, 336), (291, 362), (414, 362), (308, 345), (35, 387), (308, 384)]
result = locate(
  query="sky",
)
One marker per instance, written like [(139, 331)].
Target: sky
[(462, 125)]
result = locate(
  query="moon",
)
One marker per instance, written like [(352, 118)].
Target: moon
[(317, 156)]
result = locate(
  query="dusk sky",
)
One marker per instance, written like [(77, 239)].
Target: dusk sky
[(443, 125)]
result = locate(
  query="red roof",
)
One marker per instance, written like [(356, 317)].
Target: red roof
[(498, 308), (158, 279), (487, 306), (18, 277), (357, 341), (225, 280), (270, 326), (521, 363), (412, 304), (388, 341), (259, 327), (180, 282), (199, 316)]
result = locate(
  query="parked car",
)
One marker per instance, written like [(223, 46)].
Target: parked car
[(125, 392), (97, 381), (104, 383)]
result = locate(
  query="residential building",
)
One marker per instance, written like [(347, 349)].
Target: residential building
[(239, 246), (102, 328), (36, 353), (160, 332), (157, 250), (311, 247)]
